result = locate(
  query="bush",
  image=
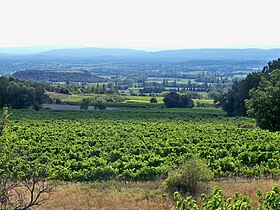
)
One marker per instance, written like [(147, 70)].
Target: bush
[(57, 101), (153, 100), (100, 106), (85, 104), (186, 177), (37, 106)]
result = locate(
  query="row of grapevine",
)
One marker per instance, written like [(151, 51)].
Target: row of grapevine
[(140, 144)]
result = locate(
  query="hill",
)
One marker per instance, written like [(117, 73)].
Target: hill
[(165, 55), (117, 54), (57, 76)]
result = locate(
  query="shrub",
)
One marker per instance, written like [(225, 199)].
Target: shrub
[(37, 106), (187, 176), (57, 101), (85, 103), (153, 100), (100, 106)]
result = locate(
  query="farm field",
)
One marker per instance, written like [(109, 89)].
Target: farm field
[(140, 144), (128, 98), (124, 101)]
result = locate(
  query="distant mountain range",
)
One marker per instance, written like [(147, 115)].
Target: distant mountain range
[(24, 50), (116, 54)]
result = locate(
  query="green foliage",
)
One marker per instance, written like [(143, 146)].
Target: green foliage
[(264, 104), (85, 103), (100, 106), (58, 76), (22, 182), (140, 144), (187, 176), (153, 100), (4, 119), (186, 102), (233, 102), (181, 204), (19, 94), (272, 65), (269, 201), (107, 98), (114, 100), (256, 87), (174, 100), (218, 201), (57, 101)]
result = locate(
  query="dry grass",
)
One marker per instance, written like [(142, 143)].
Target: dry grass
[(108, 196), (133, 196), (247, 187)]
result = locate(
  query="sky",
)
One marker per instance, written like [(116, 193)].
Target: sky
[(140, 24)]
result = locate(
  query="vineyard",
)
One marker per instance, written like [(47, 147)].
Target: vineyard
[(139, 144)]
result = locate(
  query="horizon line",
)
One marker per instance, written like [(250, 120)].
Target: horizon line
[(45, 48)]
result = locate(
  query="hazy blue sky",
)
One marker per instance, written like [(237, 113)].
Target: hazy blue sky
[(140, 24)]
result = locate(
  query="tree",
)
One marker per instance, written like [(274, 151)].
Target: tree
[(186, 102), (264, 104), (171, 100), (174, 100), (85, 103), (153, 100), (4, 92), (19, 94), (272, 65), (233, 102)]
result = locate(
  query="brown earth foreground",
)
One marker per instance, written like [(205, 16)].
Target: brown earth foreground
[(142, 195)]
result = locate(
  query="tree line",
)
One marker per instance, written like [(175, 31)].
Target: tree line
[(258, 96), (19, 94)]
